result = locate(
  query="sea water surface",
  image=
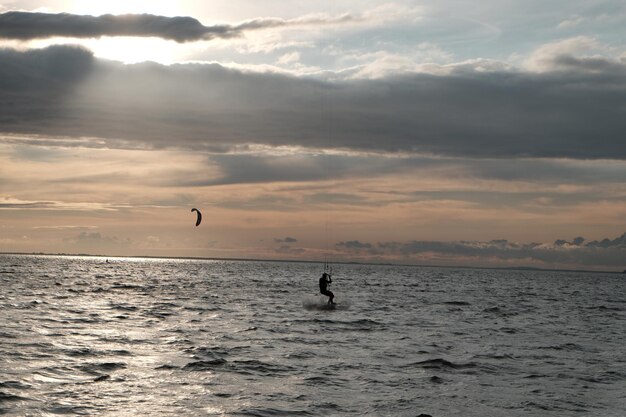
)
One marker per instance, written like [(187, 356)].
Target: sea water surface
[(165, 337)]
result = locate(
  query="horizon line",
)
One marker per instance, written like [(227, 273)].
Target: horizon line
[(199, 258)]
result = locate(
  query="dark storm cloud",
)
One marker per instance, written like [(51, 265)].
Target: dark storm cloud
[(607, 252), (63, 91), (26, 25)]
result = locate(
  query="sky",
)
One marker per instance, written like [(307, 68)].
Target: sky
[(442, 132)]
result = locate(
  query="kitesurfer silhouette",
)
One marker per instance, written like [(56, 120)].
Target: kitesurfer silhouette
[(324, 281)]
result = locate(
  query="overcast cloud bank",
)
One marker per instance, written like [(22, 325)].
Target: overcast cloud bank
[(65, 91)]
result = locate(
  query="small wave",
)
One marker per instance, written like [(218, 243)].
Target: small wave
[(564, 346), (118, 286), (439, 363), (509, 330), (205, 365), (209, 351), (258, 367), (494, 356), (6, 397), (605, 308), (436, 380), (263, 412), (102, 378), (314, 380), (159, 314), (80, 352), (123, 307), (534, 405), (89, 352), (14, 385), (534, 376), (300, 355), (103, 367), (166, 367), (457, 303), (68, 409), (249, 329), (499, 311)]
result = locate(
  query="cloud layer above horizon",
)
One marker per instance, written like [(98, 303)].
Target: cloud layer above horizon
[(559, 114)]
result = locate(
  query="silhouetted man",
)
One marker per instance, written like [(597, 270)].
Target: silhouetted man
[(324, 281)]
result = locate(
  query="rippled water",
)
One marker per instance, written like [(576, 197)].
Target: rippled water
[(163, 337)]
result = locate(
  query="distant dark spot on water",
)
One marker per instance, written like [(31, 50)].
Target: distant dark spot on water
[(102, 378)]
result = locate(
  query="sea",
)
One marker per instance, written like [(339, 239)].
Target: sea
[(177, 337)]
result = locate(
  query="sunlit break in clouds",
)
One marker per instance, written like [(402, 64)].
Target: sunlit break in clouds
[(437, 134)]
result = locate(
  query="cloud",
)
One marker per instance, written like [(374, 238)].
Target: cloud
[(580, 54), (607, 253), (286, 240), (9, 203), (289, 250), (27, 26), (64, 227), (289, 58), (501, 114), (95, 241), (354, 244)]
